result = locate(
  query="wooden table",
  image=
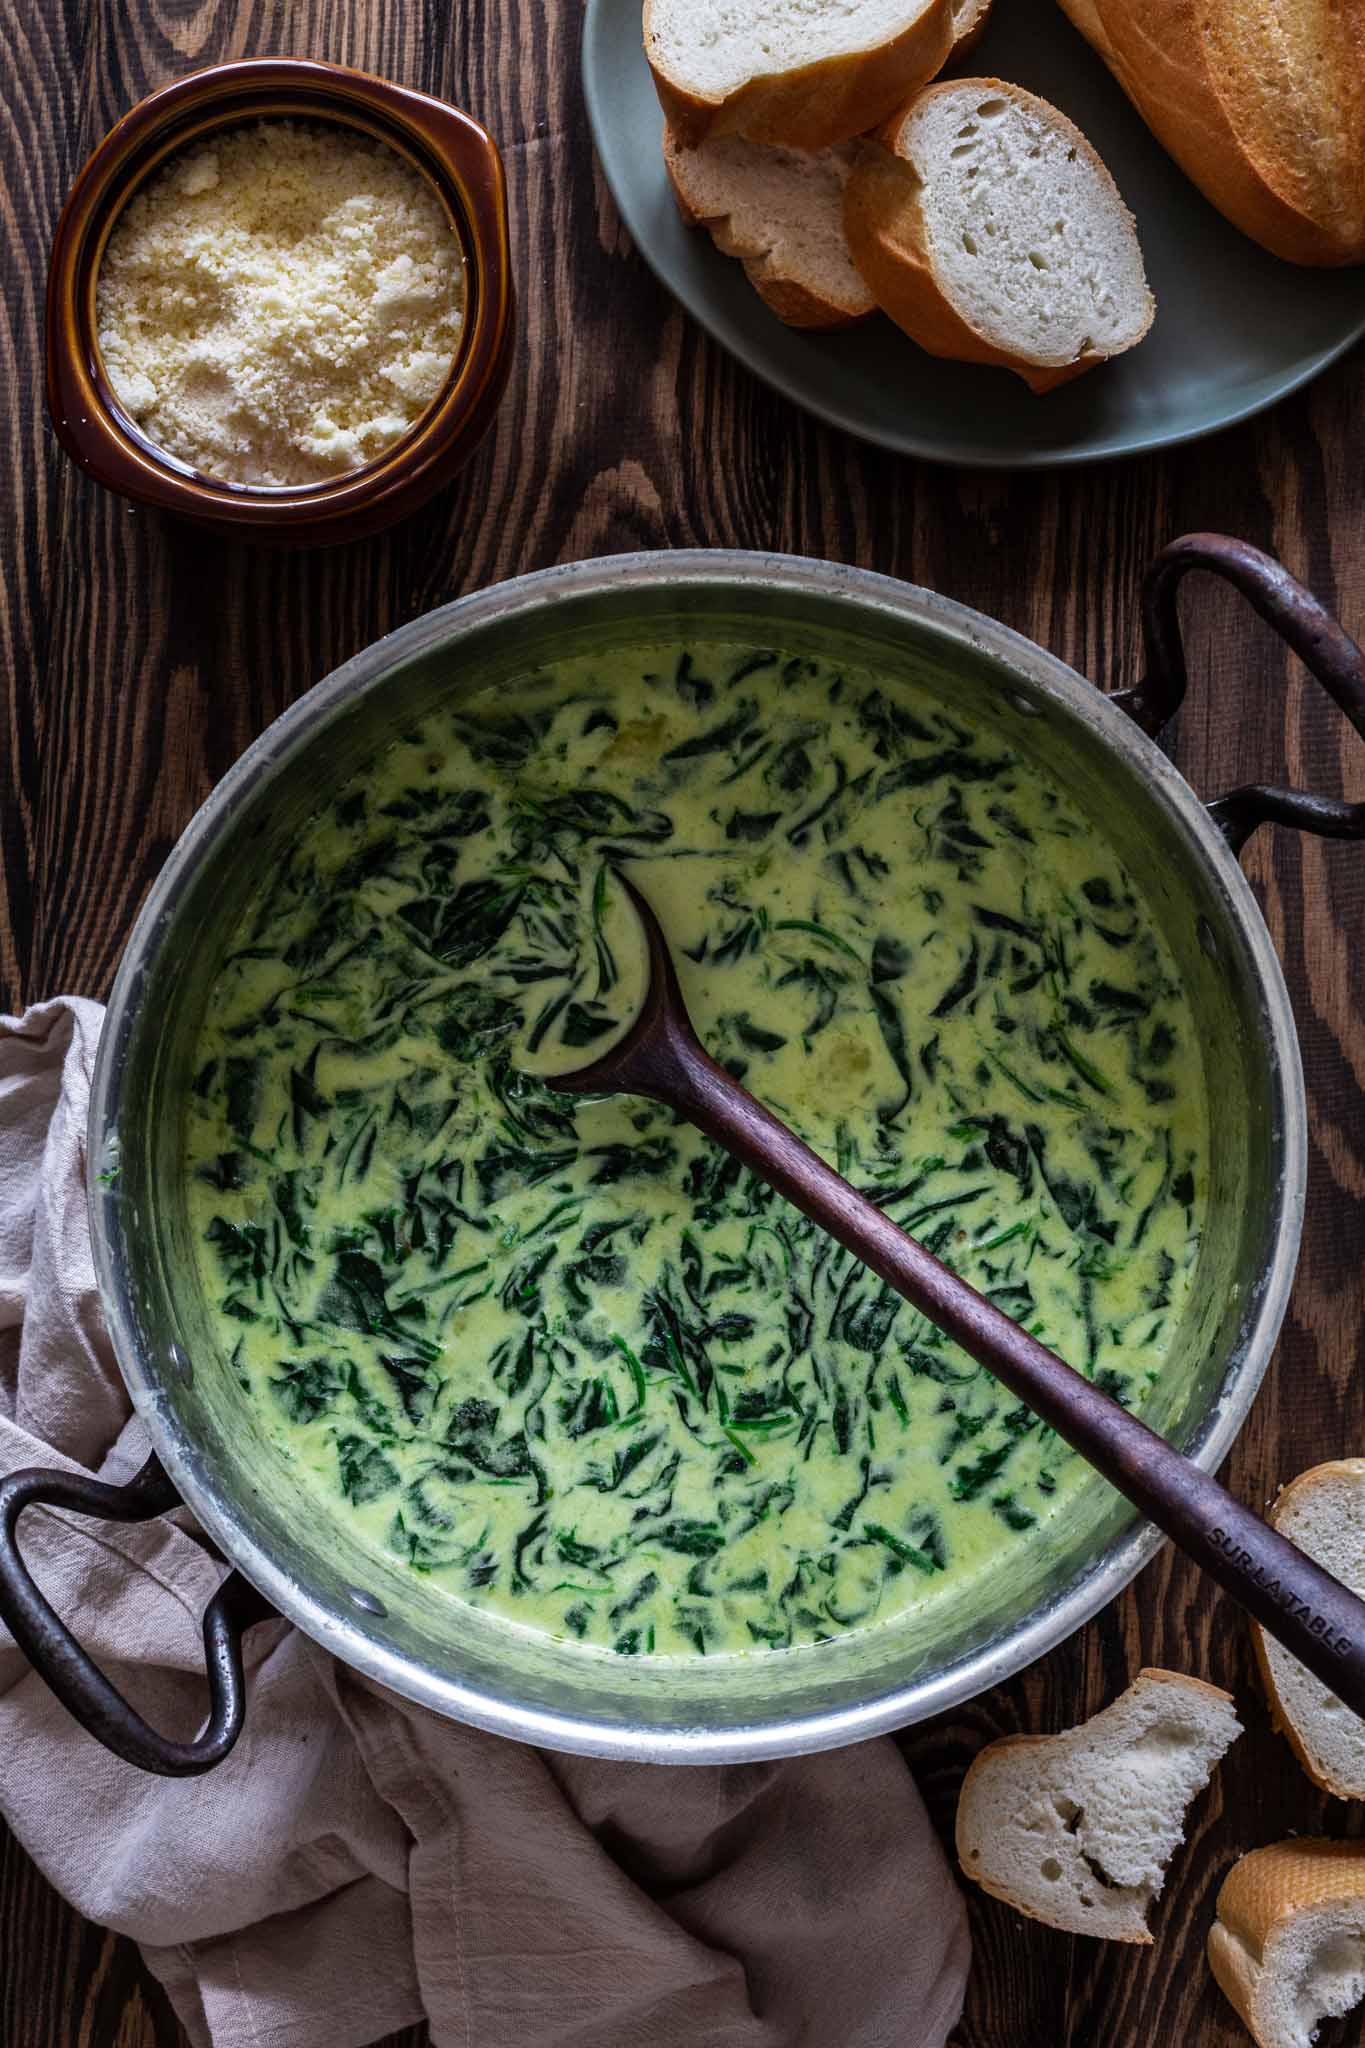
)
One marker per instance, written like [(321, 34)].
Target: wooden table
[(139, 660)]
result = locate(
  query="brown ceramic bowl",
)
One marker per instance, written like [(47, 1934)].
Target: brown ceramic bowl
[(456, 156)]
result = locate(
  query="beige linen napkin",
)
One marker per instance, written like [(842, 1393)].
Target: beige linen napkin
[(357, 1863)]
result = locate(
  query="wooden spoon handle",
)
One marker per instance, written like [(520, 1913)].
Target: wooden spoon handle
[(1321, 1621)]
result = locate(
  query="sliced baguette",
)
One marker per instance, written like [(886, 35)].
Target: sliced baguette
[(990, 231), (781, 212), (969, 25), (1262, 106), (808, 73), (1323, 1511), (1077, 1829), (1288, 1945)]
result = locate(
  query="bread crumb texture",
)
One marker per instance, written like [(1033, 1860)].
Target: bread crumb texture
[(1077, 1829), (716, 46), (1034, 245), (780, 211), (280, 304)]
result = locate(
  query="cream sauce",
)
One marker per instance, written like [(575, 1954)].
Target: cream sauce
[(568, 1357)]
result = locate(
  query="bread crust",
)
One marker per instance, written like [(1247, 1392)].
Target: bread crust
[(889, 241), (1159, 52), (1270, 1885), (1306, 1482), (815, 105), (1234, 1972), (1265, 1889), (795, 304)]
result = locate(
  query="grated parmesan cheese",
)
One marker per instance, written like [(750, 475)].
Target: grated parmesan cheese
[(281, 304)]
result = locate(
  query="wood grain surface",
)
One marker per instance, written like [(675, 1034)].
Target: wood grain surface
[(138, 660)]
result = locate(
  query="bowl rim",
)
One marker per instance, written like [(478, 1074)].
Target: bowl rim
[(348, 1636), (446, 145)]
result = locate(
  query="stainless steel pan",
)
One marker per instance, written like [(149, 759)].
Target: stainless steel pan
[(209, 1450)]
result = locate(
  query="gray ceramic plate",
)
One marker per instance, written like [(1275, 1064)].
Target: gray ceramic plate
[(1235, 328)]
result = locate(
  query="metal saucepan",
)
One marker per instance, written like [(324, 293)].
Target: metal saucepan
[(210, 1451)]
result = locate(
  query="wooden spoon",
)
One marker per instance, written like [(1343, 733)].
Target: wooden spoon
[(1317, 1618)]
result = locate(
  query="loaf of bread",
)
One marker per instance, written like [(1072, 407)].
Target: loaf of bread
[(804, 72), (988, 229), (1323, 1511), (1262, 106), (1288, 1945), (781, 212), (1077, 1829)]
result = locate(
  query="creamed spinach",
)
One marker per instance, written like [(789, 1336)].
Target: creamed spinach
[(566, 1356)]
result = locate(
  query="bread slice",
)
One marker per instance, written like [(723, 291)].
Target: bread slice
[(990, 231), (781, 212), (1263, 107), (1323, 1511), (804, 72), (1288, 1945), (1077, 1829), (969, 25)]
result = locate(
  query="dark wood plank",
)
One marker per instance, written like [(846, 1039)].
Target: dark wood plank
[(138, 660)]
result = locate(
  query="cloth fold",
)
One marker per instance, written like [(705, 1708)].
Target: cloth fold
[(358, 1864)]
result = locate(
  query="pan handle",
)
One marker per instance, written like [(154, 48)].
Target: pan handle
[(1324, 647), (63, 1665)]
